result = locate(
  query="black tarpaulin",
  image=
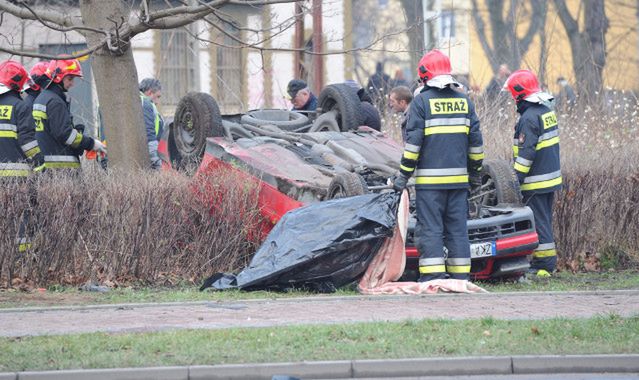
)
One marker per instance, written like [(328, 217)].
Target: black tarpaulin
[(318, 247)]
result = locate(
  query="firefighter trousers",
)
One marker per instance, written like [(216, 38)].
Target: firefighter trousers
[(442, 222), (545, 256)]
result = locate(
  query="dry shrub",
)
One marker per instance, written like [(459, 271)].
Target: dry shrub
[(596, 217), (153, 228)]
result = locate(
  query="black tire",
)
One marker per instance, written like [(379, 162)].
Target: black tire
[(344, 100), (370, 116), (286, 120), (325, 122), (346, 185), (197, 117), (499, 179)]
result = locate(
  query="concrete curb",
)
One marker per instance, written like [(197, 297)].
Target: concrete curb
[(463, 366)]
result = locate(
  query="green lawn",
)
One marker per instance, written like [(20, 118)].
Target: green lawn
[(427, 338), (56, 296)]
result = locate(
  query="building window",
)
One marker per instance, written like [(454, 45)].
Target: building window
[(179, 65), (229, 72), (447, 24)]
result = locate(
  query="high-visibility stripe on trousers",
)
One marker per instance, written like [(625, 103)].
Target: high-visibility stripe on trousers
[(441, 221), (545, 256)]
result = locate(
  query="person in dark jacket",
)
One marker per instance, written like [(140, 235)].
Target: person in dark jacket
[(150, 93), (399, 101), (38, 81), (59, 140), (369, 115), (444, 150), (301, 96), (19, 150), (536, 154), (378, 84)]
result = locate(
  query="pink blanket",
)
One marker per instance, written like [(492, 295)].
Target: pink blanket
[(388, 266)]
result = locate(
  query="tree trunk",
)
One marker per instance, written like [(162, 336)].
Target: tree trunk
[(588, 47), (415, 21), (117, 85)]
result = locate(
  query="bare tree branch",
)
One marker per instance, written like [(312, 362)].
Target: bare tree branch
[(58, 18), (56, 26), (483, 39), (570, 24)]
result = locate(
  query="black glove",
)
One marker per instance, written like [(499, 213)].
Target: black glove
[(399, 183)]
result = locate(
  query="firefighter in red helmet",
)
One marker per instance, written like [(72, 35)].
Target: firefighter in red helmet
[(444, 151), (19, 150), (536, 161), (60, 142)]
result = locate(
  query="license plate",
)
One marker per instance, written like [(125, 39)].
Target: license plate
[(485, 249)]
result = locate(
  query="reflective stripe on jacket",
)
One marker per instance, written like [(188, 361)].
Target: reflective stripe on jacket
[(443, 140)]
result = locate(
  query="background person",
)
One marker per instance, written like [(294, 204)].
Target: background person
[(301, 96), (399, 101), (150, 94)]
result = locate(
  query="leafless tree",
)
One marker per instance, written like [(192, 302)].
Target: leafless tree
[(504, 45), (587, 43), (415, 20)]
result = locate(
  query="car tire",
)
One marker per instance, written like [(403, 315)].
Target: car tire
[(344, 100), (197, 117), (283, 119), (499, 175), (346, 185), (326, 122)]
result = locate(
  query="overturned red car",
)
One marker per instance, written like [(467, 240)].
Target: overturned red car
[(297, 158)]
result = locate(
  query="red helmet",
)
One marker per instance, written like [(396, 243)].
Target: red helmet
[(13, 76), (59, 69), (37, 71), (522, 84), (432, 64)]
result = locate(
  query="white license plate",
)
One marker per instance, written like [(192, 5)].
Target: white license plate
[(485, 249)]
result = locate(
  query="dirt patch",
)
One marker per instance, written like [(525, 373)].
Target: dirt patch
[(16, 298)]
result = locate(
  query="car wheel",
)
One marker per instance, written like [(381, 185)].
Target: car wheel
[(283, 119), (346, 185), (499, 184), (343, 99), (325, 122), (197, 117)]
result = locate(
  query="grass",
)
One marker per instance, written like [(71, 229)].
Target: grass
[(58, 296), (428, 338)]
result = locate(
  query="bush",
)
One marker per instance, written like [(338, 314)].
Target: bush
[(153, 228)]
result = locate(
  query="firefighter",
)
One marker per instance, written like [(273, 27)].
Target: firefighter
[(38, 81), (536, 155), (150, 93), (444, 149), (18, 145), (60, 142)]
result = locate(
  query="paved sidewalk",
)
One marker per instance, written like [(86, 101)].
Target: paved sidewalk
[(313, 310)]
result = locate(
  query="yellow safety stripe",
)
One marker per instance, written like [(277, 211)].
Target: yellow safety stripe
[(411, 155), (458, 268), (13, 173), (39, 168), (432, 269), (547, 143), (545, 253), (476, 156), (39, 114), (406, 168), (9, 134), (441, 180), (521, 168), (77, 140), (61, 165), (32, 152), (515, 150), (23, 247), (449, 129), (541, 184)]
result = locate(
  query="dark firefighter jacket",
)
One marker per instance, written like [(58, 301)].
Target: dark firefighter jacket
[(536, 148), (59, 141), (17, 140), (443, 140)]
